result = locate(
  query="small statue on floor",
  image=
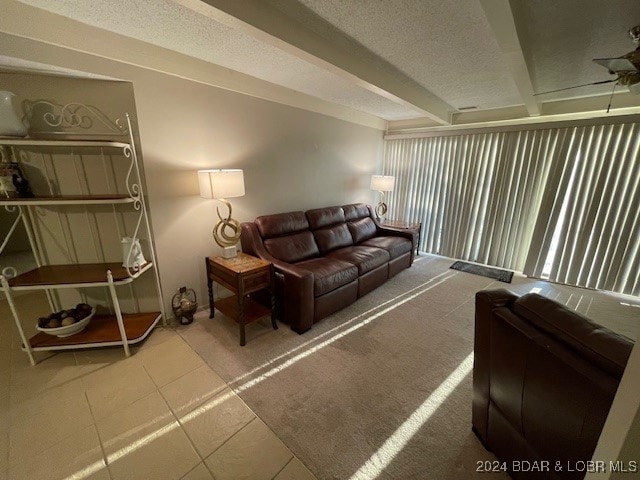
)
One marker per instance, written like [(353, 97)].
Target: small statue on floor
[(184, 305)]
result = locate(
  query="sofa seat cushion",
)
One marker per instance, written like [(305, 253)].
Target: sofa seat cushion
[(365, 258), (329, 273), (396, 246)]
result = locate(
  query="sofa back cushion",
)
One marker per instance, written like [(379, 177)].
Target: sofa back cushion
[(330, 238), (281, 224), (325, 217), (362, 229), (292, 248), (355, 211), (286, 236)]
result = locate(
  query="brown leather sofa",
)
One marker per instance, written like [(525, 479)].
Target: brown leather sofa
[(544, 378), (326, 258)]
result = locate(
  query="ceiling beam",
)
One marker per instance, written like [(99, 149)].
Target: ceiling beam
[(500, 16), (624, 104), (270, 25), (33, 34)]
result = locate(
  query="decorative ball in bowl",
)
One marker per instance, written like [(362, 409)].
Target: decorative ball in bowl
[(66, 322)]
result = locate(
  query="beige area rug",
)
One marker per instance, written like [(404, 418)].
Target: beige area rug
[(381, 389)]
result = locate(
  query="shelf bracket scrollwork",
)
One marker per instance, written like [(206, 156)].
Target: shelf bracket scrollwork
[(133, 187), (9, 272), (72, 118)]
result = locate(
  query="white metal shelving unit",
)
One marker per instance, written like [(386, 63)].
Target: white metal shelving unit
[(117, 329)]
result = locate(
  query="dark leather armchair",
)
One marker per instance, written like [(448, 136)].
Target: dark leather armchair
[(544, 378)]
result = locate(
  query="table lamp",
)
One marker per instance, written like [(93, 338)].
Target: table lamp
[(382, 183), (220, 185)]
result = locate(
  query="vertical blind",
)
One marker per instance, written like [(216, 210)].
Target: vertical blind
[(476, 195), (588, 228), (561, 202)]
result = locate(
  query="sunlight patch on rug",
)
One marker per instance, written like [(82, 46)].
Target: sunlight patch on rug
[(411, 294), (337, 336), (88, 471), (376, 464)]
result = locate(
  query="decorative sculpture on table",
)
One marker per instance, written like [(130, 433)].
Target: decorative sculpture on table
[(220, 185)]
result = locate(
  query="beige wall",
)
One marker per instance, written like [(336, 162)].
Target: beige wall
[(292, 159)]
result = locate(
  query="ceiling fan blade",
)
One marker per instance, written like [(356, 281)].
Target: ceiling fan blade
[(616, 64), (577, 86)]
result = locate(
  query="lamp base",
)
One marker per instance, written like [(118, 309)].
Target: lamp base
[(381, 211), (229, 252)]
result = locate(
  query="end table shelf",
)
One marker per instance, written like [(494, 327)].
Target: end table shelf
[(252, 310), (241, 275)]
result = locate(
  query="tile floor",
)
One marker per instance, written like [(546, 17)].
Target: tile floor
[(160, 414), (163, 413)]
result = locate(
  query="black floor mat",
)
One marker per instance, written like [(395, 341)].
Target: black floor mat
[(491, 272)]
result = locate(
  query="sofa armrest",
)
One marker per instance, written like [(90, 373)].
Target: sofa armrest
[(486, 302), (392, 231), (297, 295), (395, 232)]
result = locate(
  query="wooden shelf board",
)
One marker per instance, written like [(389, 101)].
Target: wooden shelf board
[(60, 276), (68, 200), (102, 330), (35, 142), (252, 310)]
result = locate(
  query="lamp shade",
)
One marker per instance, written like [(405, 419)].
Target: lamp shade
[(383, 183), (221, 183)]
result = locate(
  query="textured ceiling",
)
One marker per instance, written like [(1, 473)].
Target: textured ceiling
[(447, 50), (178, 28), (446, 46)]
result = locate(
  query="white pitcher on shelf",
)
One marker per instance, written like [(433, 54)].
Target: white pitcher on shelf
[(10, 123), (132, 256)]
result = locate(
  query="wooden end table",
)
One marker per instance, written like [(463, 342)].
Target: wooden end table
[(414, 228), (242, 275)]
